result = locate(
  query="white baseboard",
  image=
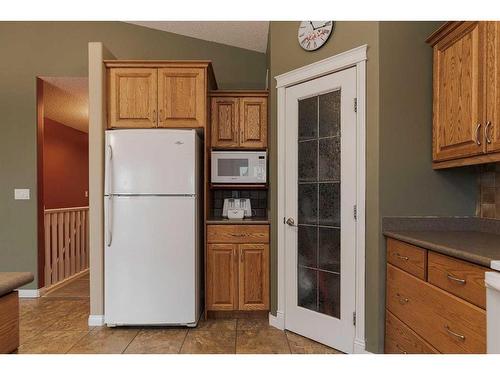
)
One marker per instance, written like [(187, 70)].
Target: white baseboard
[(28, 293), (277, 321), (360, 347), (96, 320)]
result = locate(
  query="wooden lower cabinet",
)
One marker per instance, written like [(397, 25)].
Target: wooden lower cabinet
[(400, 339), (253, 285), (237, 273), (435, 312), (9, 322), (222, 277)]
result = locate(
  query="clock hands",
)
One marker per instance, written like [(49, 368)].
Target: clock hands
[(315, 28)]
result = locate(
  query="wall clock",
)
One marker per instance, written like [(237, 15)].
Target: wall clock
[(313, 34)]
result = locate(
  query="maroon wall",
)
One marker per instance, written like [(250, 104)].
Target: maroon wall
[(65, 166)]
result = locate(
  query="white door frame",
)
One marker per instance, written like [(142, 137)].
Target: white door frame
[(355, 57)]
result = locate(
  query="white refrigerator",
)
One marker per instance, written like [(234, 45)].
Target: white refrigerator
[(152, 224)]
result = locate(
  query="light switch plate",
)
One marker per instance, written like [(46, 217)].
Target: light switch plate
[(21, 194)]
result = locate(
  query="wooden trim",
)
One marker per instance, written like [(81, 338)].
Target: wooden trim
[(238, 93), (479, 159), (39, 183), (157, 63), (444, 30), (51, 210)]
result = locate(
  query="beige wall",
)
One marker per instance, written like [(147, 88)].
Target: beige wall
[(60, 49), (400, 179)]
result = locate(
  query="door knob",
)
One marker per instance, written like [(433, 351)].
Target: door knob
[(290, 222)]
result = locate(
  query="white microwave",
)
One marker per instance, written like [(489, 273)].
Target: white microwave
[(239, 167)]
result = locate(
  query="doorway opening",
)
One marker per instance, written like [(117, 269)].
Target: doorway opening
[(63, 180)]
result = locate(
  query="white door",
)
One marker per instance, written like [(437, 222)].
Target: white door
[(320, 198), (151, 260), (153, 161)]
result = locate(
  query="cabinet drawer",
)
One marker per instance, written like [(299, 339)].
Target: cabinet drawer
[(448, 323), (410, 258), (460, 278), (238, 233), (400, 339)]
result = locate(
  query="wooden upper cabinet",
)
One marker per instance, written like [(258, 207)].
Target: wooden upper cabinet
[(132, 98), (253, 122), (221, 277), (224, 122), (253, 277), (492, 127), (181, 97), (458, 92), (149, 94), (239, 119)]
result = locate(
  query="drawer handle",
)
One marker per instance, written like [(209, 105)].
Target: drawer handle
[(458, 336), (238, 234), (456, 279), (401, 256), (402, 300)]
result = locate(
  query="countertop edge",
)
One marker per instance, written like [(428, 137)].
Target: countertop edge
[(236, 222), (459, 254)]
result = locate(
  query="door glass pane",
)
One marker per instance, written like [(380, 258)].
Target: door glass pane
[(318, 203)]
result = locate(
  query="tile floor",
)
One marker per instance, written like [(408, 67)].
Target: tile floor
[(57, 323)]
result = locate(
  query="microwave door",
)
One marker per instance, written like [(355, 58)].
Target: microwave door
[(238, 167)]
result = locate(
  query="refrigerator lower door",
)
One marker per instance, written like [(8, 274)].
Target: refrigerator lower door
[(151, 260)]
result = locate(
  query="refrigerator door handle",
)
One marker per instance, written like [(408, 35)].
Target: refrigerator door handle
[(109, 221), (109, 170)]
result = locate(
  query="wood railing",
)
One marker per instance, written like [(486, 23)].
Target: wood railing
[(66, 243)]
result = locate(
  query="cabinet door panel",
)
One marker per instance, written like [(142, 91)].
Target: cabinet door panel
[(181, 97), (253, 277), (458, 93), (225, 122), (221, 277), (132, 98), (493, 86), (253, 122)]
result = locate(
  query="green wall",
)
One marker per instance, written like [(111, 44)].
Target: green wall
[(408, 184), (400, 179), (30, 49)]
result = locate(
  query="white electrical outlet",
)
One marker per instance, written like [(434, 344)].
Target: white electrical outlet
[(21, 194)]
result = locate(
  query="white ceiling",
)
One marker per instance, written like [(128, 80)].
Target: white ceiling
[(250, 35), (66, 100)]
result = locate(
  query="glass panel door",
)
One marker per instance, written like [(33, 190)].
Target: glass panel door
[(318, 203)]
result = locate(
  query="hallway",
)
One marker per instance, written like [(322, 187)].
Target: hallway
[(57, 323)]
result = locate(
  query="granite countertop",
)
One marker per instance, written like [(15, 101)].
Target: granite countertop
[(470, 239), (250, 220)]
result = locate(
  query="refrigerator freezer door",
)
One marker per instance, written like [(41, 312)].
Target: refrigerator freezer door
[(153, 161), (151, 261)]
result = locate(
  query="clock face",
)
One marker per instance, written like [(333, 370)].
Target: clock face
[(313, 34)]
